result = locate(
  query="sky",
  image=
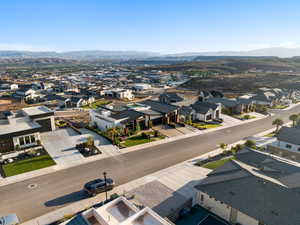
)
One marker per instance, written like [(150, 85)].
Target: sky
[(165, 26)]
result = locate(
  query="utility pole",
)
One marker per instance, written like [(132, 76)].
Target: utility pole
[(104, 175)]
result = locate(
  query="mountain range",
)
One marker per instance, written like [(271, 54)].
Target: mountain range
[(126, 55)]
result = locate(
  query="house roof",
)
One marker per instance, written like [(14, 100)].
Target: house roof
[(224, 101), (185, 110), (172, 96), (204, 107), (37, 110), (128, 115), (268, 192), (51, 97), (290, 135), (160, 107)]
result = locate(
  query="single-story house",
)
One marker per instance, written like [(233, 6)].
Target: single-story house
[(170, 97), (120, 93), (202, 111), (106, 119), (235, 106), (23, 129), (158, 113), (287, 143), (253, 189)]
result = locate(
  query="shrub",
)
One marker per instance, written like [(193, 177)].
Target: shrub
[(156, 133), (145, 135), (247, 117), (250, 144)]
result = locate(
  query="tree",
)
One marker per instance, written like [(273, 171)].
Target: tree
[(250, 144), (223, 146), (278, 122), (90, 142), (294, 118)]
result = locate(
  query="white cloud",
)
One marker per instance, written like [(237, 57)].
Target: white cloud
[(22, 47), (289, 44)]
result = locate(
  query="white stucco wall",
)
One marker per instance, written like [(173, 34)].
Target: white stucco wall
[(223, 210), (246, 220), (214, 206), (283, 144)]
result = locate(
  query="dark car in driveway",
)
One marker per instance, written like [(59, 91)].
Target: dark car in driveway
[(97, 186)]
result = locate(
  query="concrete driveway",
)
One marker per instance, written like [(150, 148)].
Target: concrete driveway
[(60, 144)]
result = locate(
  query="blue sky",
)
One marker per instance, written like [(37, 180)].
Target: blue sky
[(166, 26)]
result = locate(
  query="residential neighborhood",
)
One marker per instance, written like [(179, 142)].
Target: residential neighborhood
[(149, 112)]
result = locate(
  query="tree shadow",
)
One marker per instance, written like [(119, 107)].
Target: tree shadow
[(69, 198)]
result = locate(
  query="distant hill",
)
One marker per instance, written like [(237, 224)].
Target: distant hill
[(79, 55), (231, 65), (279, 52)]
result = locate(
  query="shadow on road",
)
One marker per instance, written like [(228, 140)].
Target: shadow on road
[(69, 198)]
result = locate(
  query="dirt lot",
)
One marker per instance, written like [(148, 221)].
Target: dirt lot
[(243, 83)]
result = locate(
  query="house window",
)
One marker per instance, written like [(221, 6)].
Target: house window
[(202, 198), (27, 140), (288, 146), (21, 141), (32, 138)]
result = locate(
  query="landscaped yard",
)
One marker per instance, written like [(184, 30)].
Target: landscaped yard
[(244, 117), (96, 104), (205, 125), (27, 165), (273, 134), (139, 139), (279, 106), (215, 164)]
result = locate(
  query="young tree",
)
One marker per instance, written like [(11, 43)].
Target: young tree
[(90, 141), (223, 146), (278, 122), (294, 118), (250, 144)]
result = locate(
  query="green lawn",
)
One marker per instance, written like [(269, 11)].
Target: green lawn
[(279, 107), (215, 164), (204, 125), (242, 117), (273, 134), (137, 140), (96, 104), (27, 165)]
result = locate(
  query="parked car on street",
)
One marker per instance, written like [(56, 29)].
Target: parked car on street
[(10, 219), (97, 186)]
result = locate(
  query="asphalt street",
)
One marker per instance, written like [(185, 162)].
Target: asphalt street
[(63, 187)]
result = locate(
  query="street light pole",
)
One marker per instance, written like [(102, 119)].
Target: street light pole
[(104, 174)]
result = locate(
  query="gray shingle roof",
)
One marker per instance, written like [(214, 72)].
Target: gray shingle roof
[(260, 198), (290, 135), (172, 96), (128, 115), (203, 107), (224, 101), (160, 107)]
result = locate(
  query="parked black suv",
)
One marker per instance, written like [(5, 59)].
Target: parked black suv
[(97, 186)]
